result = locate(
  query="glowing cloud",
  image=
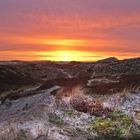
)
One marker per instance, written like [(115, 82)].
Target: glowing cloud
[(64, 42)]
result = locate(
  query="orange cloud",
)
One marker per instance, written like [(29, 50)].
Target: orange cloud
[(82, 22)]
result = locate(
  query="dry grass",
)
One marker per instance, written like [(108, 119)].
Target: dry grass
[(132, 89)]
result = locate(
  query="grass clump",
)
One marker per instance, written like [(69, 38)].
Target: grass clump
[(21, 135), (116, 126), (53, 118), (71, 113)]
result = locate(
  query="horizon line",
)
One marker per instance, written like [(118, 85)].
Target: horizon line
[(12, 60)]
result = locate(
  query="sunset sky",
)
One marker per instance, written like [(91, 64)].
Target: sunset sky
[(67, 30)]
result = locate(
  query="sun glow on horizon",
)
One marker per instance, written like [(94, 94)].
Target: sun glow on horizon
[(61, 55), (67, 56), (62, 49)]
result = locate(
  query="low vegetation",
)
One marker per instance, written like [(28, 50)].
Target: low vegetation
[(116, 126), (70, 112), (54, 119)]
